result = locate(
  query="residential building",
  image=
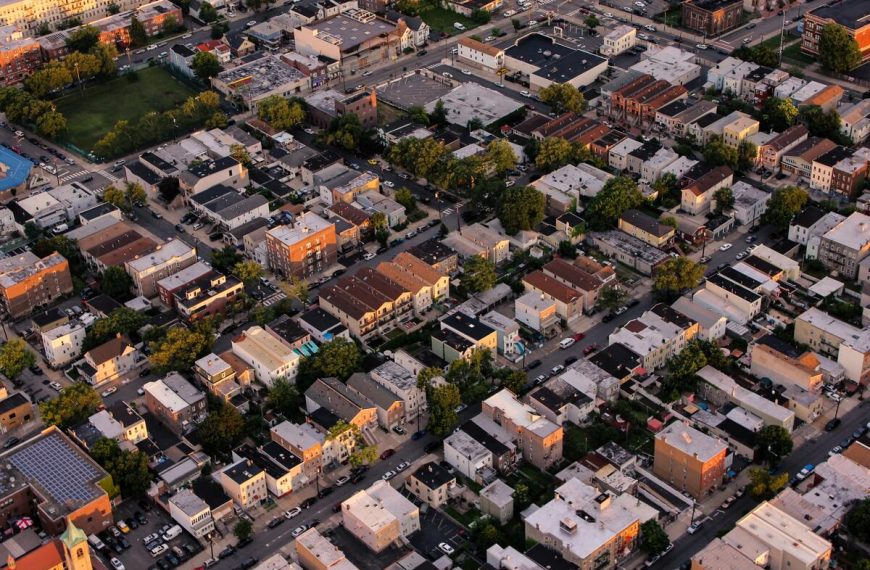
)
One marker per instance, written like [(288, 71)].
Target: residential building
[(245, 483), (207, 295), (711, 324), (721, 389), (478, 239), (15, 411), (833, 338), (799, 159), (537, 311), (587, 527), (568, 301), (656, 336), (697, 193), (166, 260), (468, 456), (322, 326), (284, 471), (177, 282), (460, 335), (479, 54), (427, 285), (20, 56), (367, 303), (769, 536), (772, 151), (57, 481), (379, 516), (675, 117), (176, 402), (341, 401), (251, 82), (848, 175), (749, 202), (564, 64), (822, 168), (850, 14), (108, 361), (855, 121), (467, 7), (497, 501), (389, 407), (191, 512), (629, 250), (618, 40), (357, 38), (315, 552), (63, 344), (560, 402), (785, 364), (303, 248), (201, 175), (564, 187), (437, 255), (585, 275), (270, 358), (739, 130), (646, 228), (539, 439), (712, 17), (304, 441), (842, 248), (671, 64), (432, 484), (688, 459), (637, 96), (28, 282), (403, 383)]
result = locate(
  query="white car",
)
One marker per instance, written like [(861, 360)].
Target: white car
[(109, 391), (725, 247), (701, 46), (747, 40), (367, 73), (643, 37), (460, 408), (299, 530), (158, 550), (835, 451), (117, 564), (310, 131), (389, 184), (650, 27), (341, 480), (447, 74), (509, 13), (510, 183), (446, 548), (608, 14), (369, 256), (292, 512), (693, 528), (640, 4), (251, 24), (402, 466), (388, 475), (466, 72), (55, 386)]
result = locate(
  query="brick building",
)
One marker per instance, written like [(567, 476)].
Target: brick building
[(28, 282), (853, 15), (712, 17), (306, 247), (19, 56)]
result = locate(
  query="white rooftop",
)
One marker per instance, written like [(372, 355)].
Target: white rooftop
[(536, 301), (853, 232), (302, 436), (305, 225), (164, 253), (691, 441)]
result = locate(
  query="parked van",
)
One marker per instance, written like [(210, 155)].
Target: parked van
[(566, 342), (171, 533), (197, 226), (459, 26), (59, 229)]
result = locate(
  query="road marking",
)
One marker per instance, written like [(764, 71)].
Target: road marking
[(68, 177), (447, 212), (109, 175)]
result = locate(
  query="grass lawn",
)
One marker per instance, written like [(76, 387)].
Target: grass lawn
[(91, 114), (794, 53), (442, 20)]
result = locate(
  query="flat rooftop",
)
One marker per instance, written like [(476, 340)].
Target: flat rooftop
[(261, 76), (691, 441), (352, 28), (473, 101), (852, 14)]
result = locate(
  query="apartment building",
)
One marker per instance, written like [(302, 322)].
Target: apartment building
[(850, 14), (537, 311), (721, 390), (849, 174), (341, 401), (19, 55), (739, 130), (63, 344), (245, 483), (367, 303), (712, 17), (799, 159), (28, 15), (108, 361), (539, 439), (842, 248), (785, 364), (176, 402), (379, 516), (166, 260), (637, 97), (618, 40), (302, 440), (656, 336), (315, 552), (207, 296), (15, 411), (460, 335), (403, 383), (28, 283), (688, 459), (437, 255), (217, 375), (306, 247), (478, 239), (432, 483), (427, 285), (468, 456), (584, 275), (587, 527), (772, 151), (569, 302), (191, 512), (646, 228), (701, 184), (270, 358), (177, 282), (833, 338)]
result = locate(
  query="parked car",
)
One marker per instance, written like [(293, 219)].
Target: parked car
[(275, 522), (292, 512), (388, 453), (590, 349), (399, 430), (388, 475), (299, 530), (693, 528), (833, 424), (446, 548), (341, 480), (460, 408), (805, 472), (533, 364)]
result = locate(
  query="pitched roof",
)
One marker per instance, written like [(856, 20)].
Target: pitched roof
[(109, 350), (551, 287), (479, 46)]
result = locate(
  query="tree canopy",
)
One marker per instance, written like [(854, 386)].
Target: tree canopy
[(838, 50), (15, 357), (724, 198), (129, 469), (339, 357), (858, 521), (676, 275), (618, 195), (500, 155), (478, 274), (654, 537), (72, 406), (774, 443), (222, 429), (280, 112), (563, 97), (783, 205), (116, 283), (443, 401), (778, 114), (521, 208), (179, 349), (205, 65)]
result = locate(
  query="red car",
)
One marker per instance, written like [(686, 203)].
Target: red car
[(590, 349), (388, 453), (579, 336)]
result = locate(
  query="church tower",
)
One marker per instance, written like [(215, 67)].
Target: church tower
[(75, 548)]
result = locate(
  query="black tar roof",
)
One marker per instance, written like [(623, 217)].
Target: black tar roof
[(734, 288), (617, 360), (647, 150), (555, 61), (549, 559), (481, 436), (836, 154), (433, 475), (647, 223), (48, 317), (671, 315), (808, 216), (97, 211), (431, 251), (319, 319), (739, 278), (780, 345), (103, 304), (673, 109), (853, 14), (468, 326), (286, 328), (12, 402), (210, 491), (143, 172)]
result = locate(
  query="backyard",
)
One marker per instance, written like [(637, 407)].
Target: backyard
[(442, 20), (93, 112)]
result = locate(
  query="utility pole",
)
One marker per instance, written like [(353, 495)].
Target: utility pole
[(781, 34)]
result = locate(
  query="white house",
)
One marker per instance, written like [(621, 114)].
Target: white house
[(270, 358), (63, 344)]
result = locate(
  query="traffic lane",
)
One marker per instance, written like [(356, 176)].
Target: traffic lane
[(812, 451)]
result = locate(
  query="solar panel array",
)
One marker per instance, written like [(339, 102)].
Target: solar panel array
[(54, 465)]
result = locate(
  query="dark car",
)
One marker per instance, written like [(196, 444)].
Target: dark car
[(418, 434), (388, 453), (10, 442), (123, 542), (36, 370), (146, 506), (833, 424), (244, 542), (336, 507), (326, 491), (421, 53), (164, 565), (276, 522), (173, 560), (608, 317), (249, 563), (140, 518), (179, 228), (307, 502), (533, 364), (143, 374), (357, 478), (570, 360), (633, 303)]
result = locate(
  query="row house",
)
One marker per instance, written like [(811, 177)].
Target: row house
[(584, 275), (771, 152), (166, 260), (460, 335), (367, 303), (831, 337), (700, 184), (427, 285), (657, 335), (840, 171), (28, 283), (799, 159), (674, 117), (539, 439)]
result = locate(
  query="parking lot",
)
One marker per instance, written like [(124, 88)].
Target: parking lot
[(435, 528), (133, 553), (413, 90)]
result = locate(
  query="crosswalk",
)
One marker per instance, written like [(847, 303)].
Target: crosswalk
[(274, 298), (447, 212), (71, 176), (723, 45), (109, 175)]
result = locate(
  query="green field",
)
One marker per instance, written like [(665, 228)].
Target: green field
[(442, 20), (92, 113)]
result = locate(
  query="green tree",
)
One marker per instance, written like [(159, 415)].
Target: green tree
[(512, 379), (438, 116), (838, 50), (83, 39), (517, 24), (363, 455), (618, 195), (134, 194), (406, 199), (747, 154), (205, 65), (774, 443), (240, 153), (116, 197), (480, 17), (485, 535), (783, 205), (521, 208), (207, 13), (763, 485), (225, 259), (243, 529), (345, 131), (478, 274), (522, 497), (418, 156), (563, 97), (500, 155), (248, 271), (591, 21), (821, 123), (418, 115), (667, 190), (170, 25), (654, 538), (122, 321), (113, 9), (138, 35), (15, 357), (129, 469), (339, 358), (51, 125), (115, 282), (778, 114), (74, 405), (553, 153), (296, 288), (724, 198), (52, 76), (857, 521), (169, 188), (64, 246), (222, 429), (443, 401), (676, 275), (717, 153), (611, 298), (281, 113), (180, 349), (285, 398), (425, 377)]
